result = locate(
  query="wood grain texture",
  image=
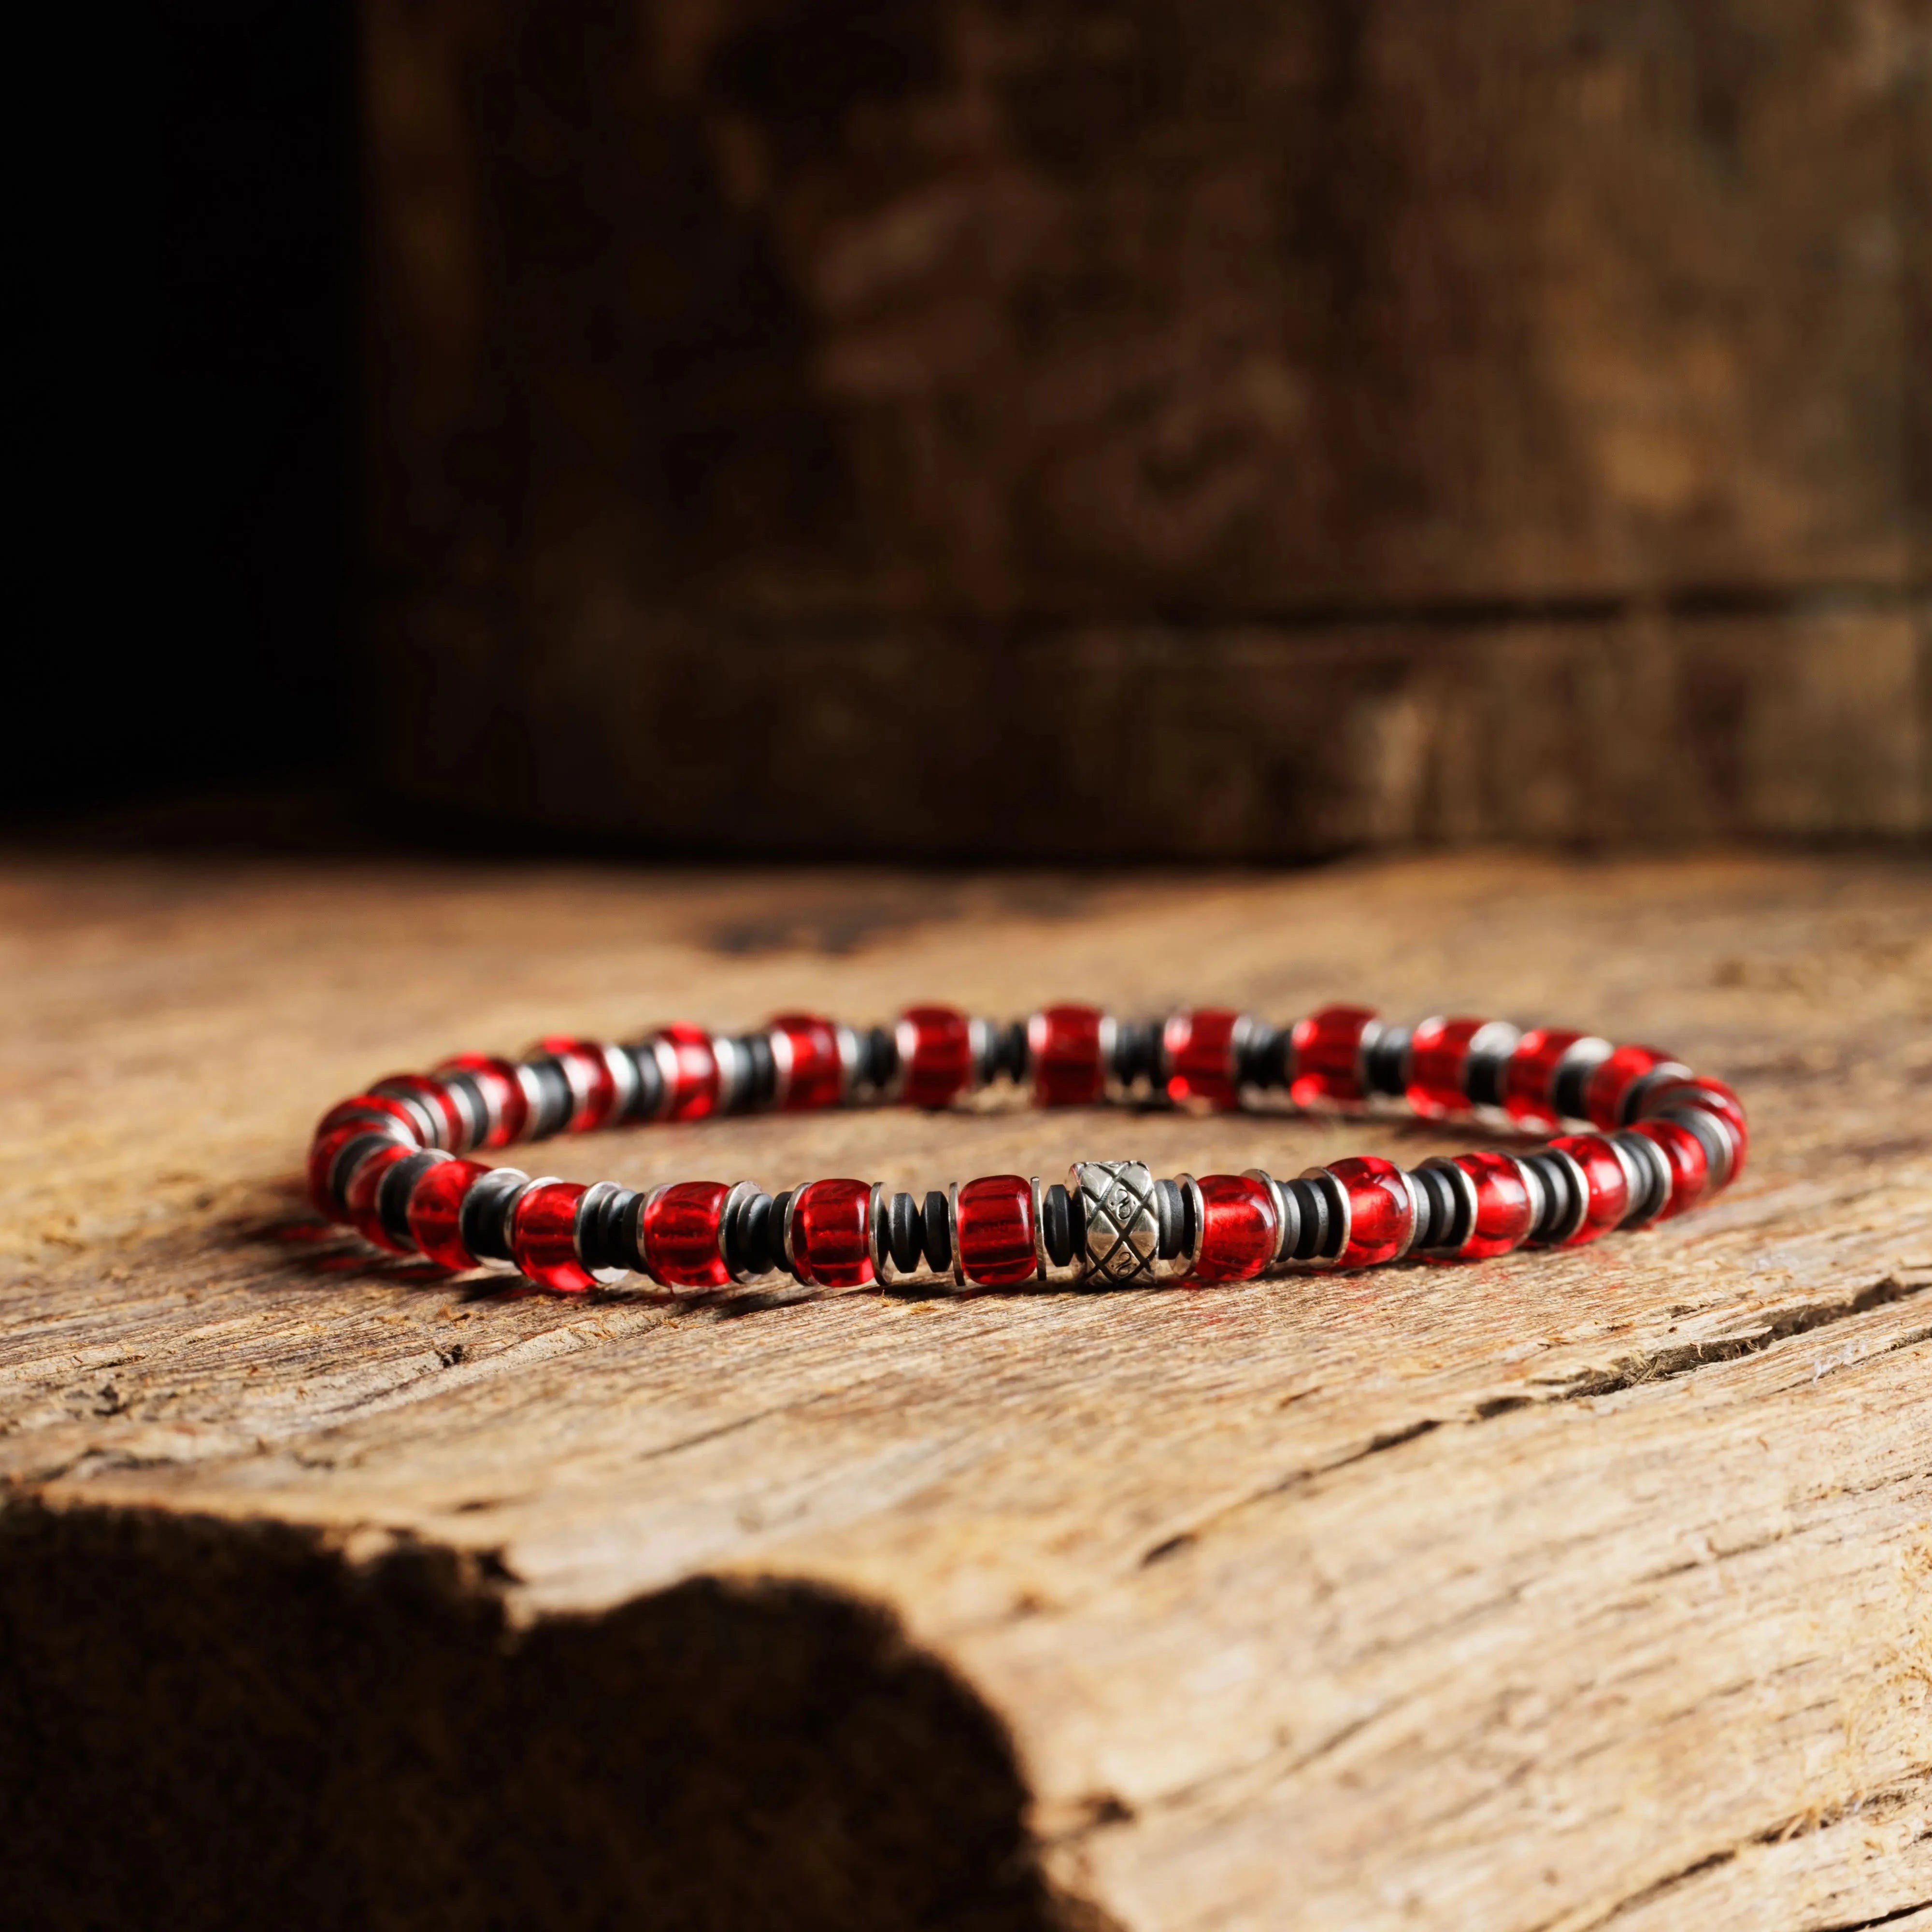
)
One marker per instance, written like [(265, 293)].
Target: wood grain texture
[(750, 383), (1560, 1592)]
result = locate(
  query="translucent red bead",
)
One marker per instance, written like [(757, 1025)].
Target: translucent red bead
[(1438, 1052), (543, 1236), (811, 1071), (994, 1229), (1529, 1075), (935, 1046), (436, 1211), (1328, 1055), (1239, 1228), (828, 1233), (1690, 1164), (1067, 1051), (1606, 1183), (679, 1227), (1199, 1050), (689, 1071), (360, 1198), (1503, 1209), (1381, 1215)]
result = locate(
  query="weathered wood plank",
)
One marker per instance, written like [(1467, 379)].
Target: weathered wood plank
[(1558, 1592)]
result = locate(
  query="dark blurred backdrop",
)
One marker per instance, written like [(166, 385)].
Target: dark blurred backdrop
[(188, 556), (1025, 427)]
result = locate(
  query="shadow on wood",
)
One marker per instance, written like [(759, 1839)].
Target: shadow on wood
[(220, 1724)]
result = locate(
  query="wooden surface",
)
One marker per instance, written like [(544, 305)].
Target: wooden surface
[(1555, 1593), (756, 387)]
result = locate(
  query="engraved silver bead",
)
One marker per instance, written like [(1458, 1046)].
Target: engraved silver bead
[(1122, 1226)]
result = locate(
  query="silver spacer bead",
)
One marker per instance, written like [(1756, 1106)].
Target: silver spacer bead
[(1179, 1268), (957, 1270), (740, 1191), (1342, 1213), (734, 1066), (1284, 1230), (850, 1054), (1580, 1188)]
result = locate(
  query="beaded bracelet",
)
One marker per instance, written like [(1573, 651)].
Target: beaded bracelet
[(1662, 1140)]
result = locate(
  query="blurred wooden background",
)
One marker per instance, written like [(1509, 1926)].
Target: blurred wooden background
[(1127, 427)]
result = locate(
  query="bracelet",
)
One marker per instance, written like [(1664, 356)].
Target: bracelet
[(1660, 1140)]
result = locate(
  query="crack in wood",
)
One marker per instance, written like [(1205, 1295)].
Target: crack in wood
[(1634, 1371), (1666, 1364), (1873, 1806)]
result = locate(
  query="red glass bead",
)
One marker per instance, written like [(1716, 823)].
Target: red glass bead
[(1606, 1186), (1068, 1048), (995, 1231), (679, 1228), (1438, 1050), (1381, 1216), (1328, 1055), (380, 1111), (446, 1117), (1239, 1228), (326, 1149), (935, 1054), (1714, 1098), (1603, 1095), (1503, 1211), (436, 1211), (504, 1096), (827, 1233), (1529, 1072), (360, 1197), (1690, 1164), (1199, 1051), (811, 1072), (543, 1236), (593, 1086), (690, 1069)]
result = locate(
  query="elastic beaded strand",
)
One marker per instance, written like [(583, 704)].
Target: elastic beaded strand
[(1645, 1140)]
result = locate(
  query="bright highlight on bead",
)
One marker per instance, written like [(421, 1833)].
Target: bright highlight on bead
[(1651, 1140)]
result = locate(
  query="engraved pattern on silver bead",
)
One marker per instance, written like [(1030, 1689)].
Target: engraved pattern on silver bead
[(1122, 1226)]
